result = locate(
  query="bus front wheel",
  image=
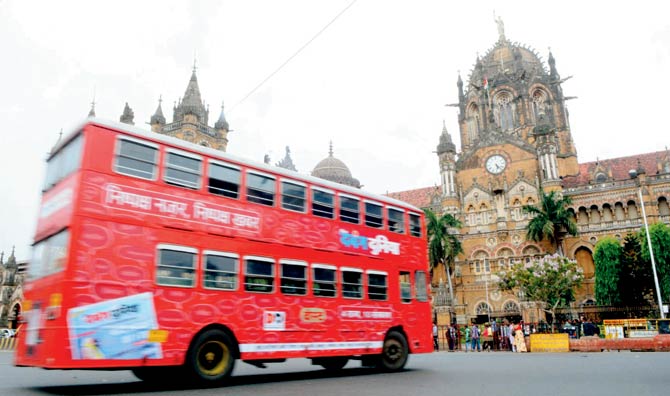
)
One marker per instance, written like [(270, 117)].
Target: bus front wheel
[(395, 352), (211, 358)]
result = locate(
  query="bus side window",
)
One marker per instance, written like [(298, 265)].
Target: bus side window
[(136, 159), (405, 287), (323, 280), (220, 270), (373, 215), (377, 286), (396, 223), (322, 203), (352, 282), (259, 274), (182, 169), (176, 266), (415, 225), (224, 180), (293, 196), (293, 277), (420, 289), (349, 210), (260, 189)]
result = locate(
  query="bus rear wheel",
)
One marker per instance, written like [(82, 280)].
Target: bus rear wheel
[(395, 352), (211, 357)]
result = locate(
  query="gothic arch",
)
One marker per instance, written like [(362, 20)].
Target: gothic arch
[(540, 102), (511, 306), (472, 120), (663, 208), (483, 308), (504, 110), (584, 258)]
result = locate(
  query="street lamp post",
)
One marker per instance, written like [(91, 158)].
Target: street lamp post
[(633, 174)]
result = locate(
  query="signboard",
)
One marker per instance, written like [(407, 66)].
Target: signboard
[(642, 333), (626, 322), (549, 343), (613, 332)]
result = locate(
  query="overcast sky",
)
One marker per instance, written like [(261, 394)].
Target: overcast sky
[(375, 81)]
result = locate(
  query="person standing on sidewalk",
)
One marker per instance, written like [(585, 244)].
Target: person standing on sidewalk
[(436, 344), (475, 338), (468, 337)]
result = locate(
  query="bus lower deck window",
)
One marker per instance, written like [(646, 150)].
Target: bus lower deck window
[(220, 271), (405, 287), (259, 275), (377, 286), (352, 283), (176, 267), (323, 282), (294, 278)]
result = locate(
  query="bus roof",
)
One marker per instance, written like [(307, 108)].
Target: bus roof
[(132, 130)]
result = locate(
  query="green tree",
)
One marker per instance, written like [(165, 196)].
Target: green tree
[(550, 280), (607, 258), (550, 220), (443, 246), (636, 283), (660, 241)]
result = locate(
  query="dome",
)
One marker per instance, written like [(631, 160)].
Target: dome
[(332, 169)]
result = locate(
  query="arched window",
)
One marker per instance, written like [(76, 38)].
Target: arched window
[(481, 263), (504, 111), (601, 177), (619, 213), (595, 215), (632, 210), (663, 208), (607, 213), (504, 260), (584, 259), (482, 308), (511, 307)]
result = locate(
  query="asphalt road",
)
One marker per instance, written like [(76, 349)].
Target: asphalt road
[(468, 374)]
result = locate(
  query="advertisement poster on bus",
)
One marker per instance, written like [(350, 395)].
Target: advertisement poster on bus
[(114, 329)]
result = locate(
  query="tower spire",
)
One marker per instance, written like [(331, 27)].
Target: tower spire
[(91, 112)]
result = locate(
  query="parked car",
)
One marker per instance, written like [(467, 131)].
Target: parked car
[(7, 333)]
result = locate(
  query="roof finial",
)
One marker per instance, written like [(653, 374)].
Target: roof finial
[(195, 62), (91, 113), (330, 151)]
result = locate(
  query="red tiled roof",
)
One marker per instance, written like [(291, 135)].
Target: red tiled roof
[(419, 197), (618, 166)]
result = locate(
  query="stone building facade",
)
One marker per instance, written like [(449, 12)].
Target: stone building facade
[(516, 140), (12, 274), (190, 119)]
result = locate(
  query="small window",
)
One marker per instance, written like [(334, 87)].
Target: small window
[(49, 255), (65, 162), (323, 280), (349, 209), (259, 274), (352, 283), (176, 266), (182, 170), (405, 287), (322, 203), (415, 225), (293, 196), (136, 159), (373, 215), (293, 277), (220, 271), (420, 286), (260, 189), (377, 285), (396, 221), (224, 180)]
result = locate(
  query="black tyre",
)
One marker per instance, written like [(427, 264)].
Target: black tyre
[(147, 374), (395, 352), (163, 375), (211, 358), (333, 363)]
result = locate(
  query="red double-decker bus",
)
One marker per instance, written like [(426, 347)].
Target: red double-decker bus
[(157, 255)]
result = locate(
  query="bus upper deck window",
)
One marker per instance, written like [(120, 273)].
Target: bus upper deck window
[(349, 210), (322, 203), (224, 180), (293, 196), (373, 215), (260, 189), (137, 159), (396, 221), (415, 225), (64, 162), (183, 170)]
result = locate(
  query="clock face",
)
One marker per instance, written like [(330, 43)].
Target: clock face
[(496, 164)]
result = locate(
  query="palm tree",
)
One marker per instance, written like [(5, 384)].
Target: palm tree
[(551, 220), (443, 246)]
